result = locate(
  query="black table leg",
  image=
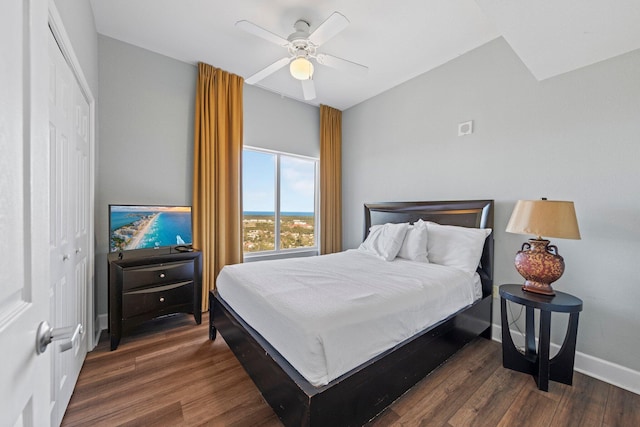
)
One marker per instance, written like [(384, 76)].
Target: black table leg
[(530, 333), (511, 357), (561, 366), (543, 350)]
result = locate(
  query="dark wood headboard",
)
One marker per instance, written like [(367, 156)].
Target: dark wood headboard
[(465, 213)]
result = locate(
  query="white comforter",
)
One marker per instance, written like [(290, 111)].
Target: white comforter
[(328, 314)]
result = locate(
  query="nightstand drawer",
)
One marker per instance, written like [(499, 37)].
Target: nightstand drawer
[(157, 300), (137, 277)]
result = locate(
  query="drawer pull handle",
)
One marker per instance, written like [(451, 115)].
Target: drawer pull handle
[(162, 275), (161, 299)]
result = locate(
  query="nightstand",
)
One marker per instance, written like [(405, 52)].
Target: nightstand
[(560, 368), (147, 284)]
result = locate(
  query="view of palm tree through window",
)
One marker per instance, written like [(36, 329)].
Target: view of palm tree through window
[(279, 194)]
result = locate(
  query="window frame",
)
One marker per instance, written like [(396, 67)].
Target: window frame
[(277, 252)]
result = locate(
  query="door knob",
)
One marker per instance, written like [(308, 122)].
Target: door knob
[(46, 334)]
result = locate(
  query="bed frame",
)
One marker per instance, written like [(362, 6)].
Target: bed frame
[(362, 393)]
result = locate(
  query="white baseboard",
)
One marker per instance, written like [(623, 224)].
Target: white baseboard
[(103, 320), (617, 375)]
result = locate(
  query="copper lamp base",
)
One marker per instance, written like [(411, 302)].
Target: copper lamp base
[(538, 288), (540, 264)]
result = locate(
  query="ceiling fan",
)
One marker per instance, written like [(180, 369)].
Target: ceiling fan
[(302, 46)]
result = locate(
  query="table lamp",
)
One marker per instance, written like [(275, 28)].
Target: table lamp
[(538, 261)]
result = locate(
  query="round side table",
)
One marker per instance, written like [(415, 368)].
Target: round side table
[(560, 368)]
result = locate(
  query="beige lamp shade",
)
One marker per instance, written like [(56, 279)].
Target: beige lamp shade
[(544, 218)]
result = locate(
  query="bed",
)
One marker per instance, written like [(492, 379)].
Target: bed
[(357, 394)]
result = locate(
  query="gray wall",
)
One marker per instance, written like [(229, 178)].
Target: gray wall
[(572, 137), (278, 123), (146, 121), (145, 152)]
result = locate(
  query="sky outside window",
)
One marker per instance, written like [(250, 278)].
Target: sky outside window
[(258, 181), (297, 183)]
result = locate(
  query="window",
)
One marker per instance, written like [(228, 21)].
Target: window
[(279, 197)]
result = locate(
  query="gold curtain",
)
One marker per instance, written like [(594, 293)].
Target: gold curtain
[(330, 180), (217, 177)]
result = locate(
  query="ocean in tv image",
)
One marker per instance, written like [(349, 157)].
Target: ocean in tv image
[(139, 227)]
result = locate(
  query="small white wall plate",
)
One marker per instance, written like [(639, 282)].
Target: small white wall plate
[(465, 128)]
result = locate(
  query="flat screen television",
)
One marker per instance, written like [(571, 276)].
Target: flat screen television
[(150, 226)]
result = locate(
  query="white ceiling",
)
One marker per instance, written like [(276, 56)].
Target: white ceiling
[(397, 40)]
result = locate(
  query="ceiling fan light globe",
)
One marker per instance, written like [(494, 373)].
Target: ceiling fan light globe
[(301, 69)]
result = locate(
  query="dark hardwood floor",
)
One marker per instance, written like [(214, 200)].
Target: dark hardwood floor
[(168, 373)]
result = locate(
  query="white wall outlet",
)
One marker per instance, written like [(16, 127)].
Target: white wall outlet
[(496, 293), (465, 128)]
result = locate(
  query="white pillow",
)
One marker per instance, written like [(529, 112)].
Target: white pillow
[(453, 246), (385, 240), (414, 247)]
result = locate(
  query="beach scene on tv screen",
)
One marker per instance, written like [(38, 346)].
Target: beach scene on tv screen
[(140, 227)]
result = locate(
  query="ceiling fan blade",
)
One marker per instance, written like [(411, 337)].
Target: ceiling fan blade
[(329, 28), (308, 89), (341, 64), (252, 28), (267, 71)]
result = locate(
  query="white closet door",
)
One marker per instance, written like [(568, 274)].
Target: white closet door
[(69, 212)]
